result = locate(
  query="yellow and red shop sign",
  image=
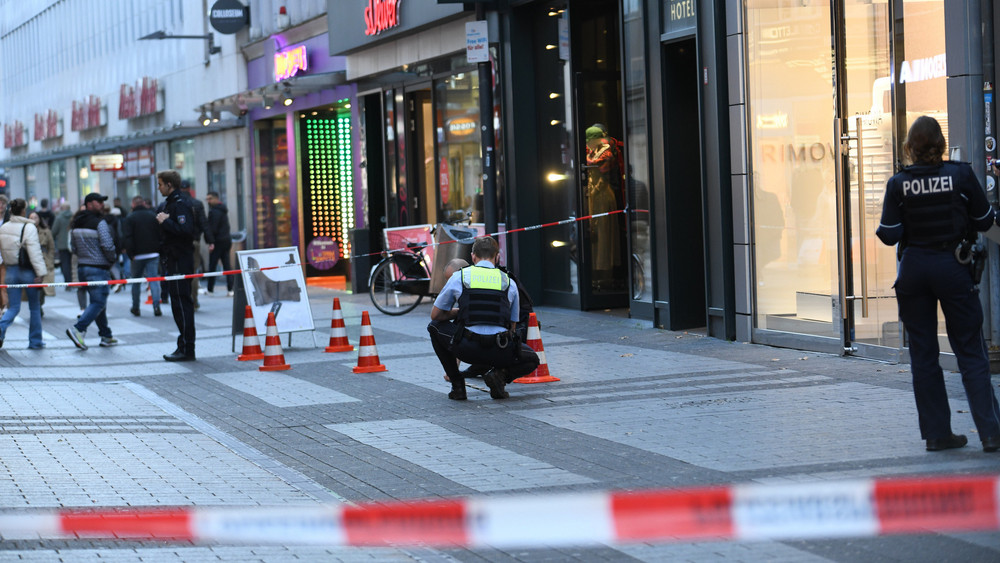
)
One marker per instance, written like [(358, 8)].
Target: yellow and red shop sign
[(461, 128)]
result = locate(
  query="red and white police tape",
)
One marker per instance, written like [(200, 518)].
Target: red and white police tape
[(856, 508), (237, 272)]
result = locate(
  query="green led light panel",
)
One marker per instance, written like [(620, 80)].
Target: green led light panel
[(331, 187)]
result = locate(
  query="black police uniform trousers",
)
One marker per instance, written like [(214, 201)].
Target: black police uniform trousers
[(925, 277), (181, 304), (518, 359)]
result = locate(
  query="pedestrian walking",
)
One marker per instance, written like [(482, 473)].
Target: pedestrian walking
[(932, 209), (44, 212), (177, 228), (49, 253), (94, 247), (218, 226), (141, 241), (200, 229), (16, 233), (481, 329), (60, 233)]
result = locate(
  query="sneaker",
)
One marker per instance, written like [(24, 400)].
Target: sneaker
[(77, 337), (229, 294), (108, 341)]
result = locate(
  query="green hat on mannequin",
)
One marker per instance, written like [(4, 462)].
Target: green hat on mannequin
[(594, 133)]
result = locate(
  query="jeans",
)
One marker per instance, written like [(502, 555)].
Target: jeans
[(220, 252), (15, 275), (147, 268), (66, 265), (97, 309)]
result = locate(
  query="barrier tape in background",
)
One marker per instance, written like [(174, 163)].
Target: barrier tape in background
[(855, 508), (237, 272)]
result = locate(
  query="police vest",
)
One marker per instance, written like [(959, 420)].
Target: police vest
[(484, 297), (934, 211)]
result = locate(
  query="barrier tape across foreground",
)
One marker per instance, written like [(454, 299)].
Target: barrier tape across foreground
[(855, 508), (237, 272)]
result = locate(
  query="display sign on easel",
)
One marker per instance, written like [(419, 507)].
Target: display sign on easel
[(281, 290)]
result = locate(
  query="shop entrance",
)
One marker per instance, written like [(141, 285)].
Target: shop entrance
[(685, 253), (420, 158), (822, 279)]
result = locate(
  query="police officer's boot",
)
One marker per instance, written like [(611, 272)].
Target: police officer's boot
[(496, 380), (457, 389)]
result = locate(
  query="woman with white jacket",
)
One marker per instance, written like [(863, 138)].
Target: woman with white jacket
[(19, 230)]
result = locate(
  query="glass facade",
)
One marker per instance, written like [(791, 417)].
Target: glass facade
[(637, 141), (460, 185), (182, 159), (89, 182), (819, 164), (273, 202), (58, 191)]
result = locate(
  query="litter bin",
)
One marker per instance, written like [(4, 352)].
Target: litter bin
[(361, 262), (445, 253)]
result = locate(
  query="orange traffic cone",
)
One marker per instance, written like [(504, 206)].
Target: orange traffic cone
[(541, 373), (338, 332), (251, 343), (367, 352), (149, 297), (274, 359)]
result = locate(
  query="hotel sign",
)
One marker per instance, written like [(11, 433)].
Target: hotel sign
[(680, 16)]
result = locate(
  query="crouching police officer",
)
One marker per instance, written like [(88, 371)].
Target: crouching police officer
[(932, 209), (480, 330)]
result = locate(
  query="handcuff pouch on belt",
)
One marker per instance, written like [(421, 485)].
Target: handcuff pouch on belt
[(973, 253), (501, 339)]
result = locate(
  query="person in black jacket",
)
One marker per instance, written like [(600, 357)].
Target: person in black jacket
[(930, 208), (141, 241), (218, 226), (176, 218), (200, 228)]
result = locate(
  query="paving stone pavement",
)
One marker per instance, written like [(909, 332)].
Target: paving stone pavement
[(636, 408)]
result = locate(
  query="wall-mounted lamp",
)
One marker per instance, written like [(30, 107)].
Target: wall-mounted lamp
[(265, 102), (203, 118), (210, 49), (286, 97), (216, 114)]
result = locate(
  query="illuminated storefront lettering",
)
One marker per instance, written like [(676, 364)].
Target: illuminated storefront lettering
[(381, 15), (290, 63)]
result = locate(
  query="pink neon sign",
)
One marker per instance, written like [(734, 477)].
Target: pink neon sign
[(290, 62)]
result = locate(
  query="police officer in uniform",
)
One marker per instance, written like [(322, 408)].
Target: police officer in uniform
[(481, 329), (176, 218), (929, 208)]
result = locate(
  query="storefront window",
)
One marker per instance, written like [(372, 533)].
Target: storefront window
[(460, 166), (273, 204), (637, 139), (921, 80), (182, 154), (57, 183), (792, 152), (35, 178), (90, 182), (556, 149)]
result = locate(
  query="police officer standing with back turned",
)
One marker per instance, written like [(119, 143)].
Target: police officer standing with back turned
[(932, 208), (176, 218), (480, 331)]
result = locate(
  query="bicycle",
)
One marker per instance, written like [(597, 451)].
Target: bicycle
[(401, 280)]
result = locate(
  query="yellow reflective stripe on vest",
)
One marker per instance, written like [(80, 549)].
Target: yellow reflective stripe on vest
[(475, 277)]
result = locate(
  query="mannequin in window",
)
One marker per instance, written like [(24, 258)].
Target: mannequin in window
[(603, 185)]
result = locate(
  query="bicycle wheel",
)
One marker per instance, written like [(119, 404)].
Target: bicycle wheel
[(397, 285)]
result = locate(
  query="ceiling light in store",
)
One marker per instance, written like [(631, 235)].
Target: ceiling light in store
[(558, 243), (549, 47), (553, 95), (555, 177), (555, 122)]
